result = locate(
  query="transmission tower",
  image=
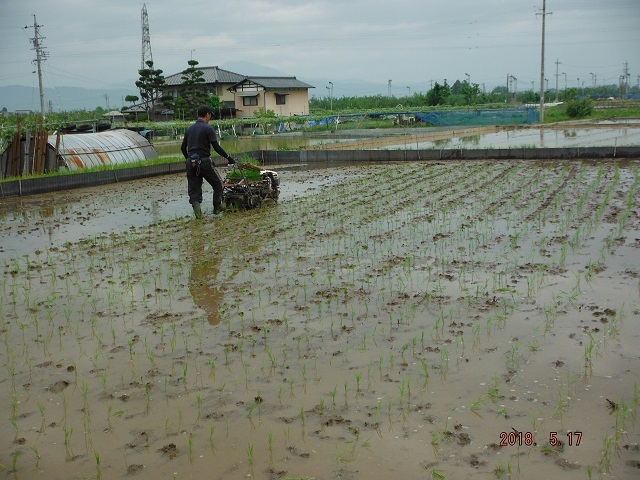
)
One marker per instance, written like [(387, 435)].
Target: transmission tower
[(146, 39), (41, 55)]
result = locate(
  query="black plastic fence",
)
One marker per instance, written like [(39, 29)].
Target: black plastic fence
[(271, 157)]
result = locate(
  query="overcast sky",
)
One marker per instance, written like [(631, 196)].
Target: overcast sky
[(98, 44)]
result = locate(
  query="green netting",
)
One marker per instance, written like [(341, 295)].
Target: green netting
[(511, 116)]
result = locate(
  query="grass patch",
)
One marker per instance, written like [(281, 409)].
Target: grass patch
[(559, 113)]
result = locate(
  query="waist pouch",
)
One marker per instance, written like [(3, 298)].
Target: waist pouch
[(196, 160)]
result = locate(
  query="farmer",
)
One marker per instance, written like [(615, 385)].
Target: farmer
[(196, 148)]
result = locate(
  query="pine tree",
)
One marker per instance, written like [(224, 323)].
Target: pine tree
[(150, 84), (194, 89)]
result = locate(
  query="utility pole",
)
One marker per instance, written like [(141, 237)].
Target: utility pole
[(506, 100), (557, 63), (41, 55), (627, 80), (544, 14), (512, 87), (330, 96)]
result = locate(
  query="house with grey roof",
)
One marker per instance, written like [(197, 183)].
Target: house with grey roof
[(242, 95), (217, 81), (286, 96)]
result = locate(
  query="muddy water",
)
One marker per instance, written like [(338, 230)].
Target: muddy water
[(414, 321), (38, 222)]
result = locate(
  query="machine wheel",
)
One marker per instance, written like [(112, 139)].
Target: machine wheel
[(253, 201)]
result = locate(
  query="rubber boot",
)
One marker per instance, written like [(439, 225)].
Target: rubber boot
[(196, 209), (217, 210)]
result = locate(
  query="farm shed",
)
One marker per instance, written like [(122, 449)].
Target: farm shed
[(114, 116), (36, 153)]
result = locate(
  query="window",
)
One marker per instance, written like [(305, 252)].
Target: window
[(251, 101), (281, 98)]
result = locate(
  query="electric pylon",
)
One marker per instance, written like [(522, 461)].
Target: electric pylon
[(146, 39)]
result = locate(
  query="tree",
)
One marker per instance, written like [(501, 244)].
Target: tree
[(262, 113), (579, 108), (193, 83), (213, 102), (570, 94), (181, 109), (439, 94), (150, 84), (528, 97), (469, 92)]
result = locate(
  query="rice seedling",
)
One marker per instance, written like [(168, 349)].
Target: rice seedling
[(15, 455), (67, 443), (514, 354), (444, 363), (98, 465), (346, 389), (190, 447), (477, 403), (357, 375), (437, 474), (588, 354), (604, 463)]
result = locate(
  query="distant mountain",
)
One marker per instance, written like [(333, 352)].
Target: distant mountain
[(341, 88), (20, 97), (344, 87)]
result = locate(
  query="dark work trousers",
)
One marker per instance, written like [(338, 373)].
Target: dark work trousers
[(207, 171)]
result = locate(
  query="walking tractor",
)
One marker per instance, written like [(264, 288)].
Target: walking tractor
[(248, 186)]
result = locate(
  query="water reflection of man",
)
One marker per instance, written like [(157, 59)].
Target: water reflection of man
[(205, 266)]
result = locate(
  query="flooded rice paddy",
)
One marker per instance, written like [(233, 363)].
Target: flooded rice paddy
[(424, 320), (540, 138), (607, 134)]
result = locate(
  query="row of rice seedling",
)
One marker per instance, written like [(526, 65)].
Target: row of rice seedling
[(408, 305)]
